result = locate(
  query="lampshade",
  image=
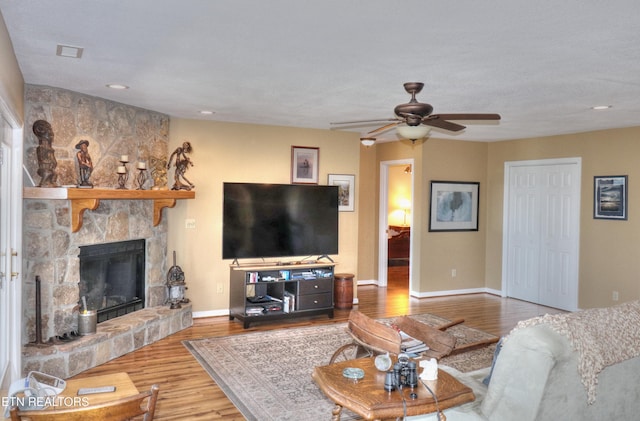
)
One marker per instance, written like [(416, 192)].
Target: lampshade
[(367, 141), (412, 132)]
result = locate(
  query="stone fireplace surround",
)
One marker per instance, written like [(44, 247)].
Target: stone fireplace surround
[(51, 248)]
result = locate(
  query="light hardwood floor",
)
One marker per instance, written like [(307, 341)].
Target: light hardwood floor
[(187, 392)]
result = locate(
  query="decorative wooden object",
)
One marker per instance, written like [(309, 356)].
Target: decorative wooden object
[(380, 338), (83, 199)]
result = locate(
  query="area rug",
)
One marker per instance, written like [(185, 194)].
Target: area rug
[(267, 375)]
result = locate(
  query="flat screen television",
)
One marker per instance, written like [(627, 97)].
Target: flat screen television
[(279, 220)]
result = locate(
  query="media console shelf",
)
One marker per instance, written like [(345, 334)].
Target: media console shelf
[(277, 292), (83, 199)]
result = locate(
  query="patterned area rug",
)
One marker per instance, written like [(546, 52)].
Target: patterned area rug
[(267, 375)]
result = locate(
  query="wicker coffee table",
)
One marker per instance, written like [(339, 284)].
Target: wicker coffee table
[(367, 397)]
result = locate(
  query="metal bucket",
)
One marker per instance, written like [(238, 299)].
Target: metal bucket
[(87, 322)]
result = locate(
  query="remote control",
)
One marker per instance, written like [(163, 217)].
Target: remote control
[(92, 390)]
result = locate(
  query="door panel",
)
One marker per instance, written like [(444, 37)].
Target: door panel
[(560, 238), (524, 241)]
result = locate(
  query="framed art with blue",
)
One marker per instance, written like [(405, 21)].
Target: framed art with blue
[(454, 206)]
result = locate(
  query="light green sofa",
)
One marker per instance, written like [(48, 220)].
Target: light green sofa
[(537, 375)]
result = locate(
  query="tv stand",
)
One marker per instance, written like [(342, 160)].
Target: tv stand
[(325, 256), (269, 293)]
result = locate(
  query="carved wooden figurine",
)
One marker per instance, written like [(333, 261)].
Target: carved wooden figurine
[(45, 153)]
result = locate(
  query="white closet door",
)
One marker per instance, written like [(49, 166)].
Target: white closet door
[(542, 221)]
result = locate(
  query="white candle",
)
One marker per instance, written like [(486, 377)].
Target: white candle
[(121, 169), (124, 158), (142, 165)]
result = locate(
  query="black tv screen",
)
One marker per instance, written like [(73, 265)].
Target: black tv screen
[(279, 220)]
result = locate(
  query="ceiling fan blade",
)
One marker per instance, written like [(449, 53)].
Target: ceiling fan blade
[(379, 120), (467, 116), (436, 121), (385, 127)]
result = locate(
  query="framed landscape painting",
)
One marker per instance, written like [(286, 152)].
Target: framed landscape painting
[(454, 206), (346, 190), (610, 197)]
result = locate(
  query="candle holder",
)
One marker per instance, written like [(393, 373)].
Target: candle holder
[(123, 174), (141, 178)]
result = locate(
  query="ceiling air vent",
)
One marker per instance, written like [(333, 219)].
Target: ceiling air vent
[(69, 51)]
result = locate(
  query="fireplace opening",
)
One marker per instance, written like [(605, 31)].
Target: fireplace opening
[(112, 278)]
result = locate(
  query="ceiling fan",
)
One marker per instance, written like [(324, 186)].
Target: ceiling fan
[(414, 119)]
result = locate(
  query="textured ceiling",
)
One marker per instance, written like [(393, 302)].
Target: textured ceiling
[(540, 64)]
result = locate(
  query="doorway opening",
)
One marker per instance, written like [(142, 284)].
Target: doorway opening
[(396, 204)]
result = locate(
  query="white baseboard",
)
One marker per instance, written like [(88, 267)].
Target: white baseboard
[(456, 292), (367, 282), (210, 313), (441, 293)]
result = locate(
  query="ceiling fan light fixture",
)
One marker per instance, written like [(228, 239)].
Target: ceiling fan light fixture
[(412, 132), (368, 141), (117, 86)]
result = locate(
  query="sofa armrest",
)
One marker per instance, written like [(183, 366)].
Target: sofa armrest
[(521, 373), (469, 411)]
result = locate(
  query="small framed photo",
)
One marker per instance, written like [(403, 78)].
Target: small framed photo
[(304, 165), (346, 190), (454, 206), (610, 197)]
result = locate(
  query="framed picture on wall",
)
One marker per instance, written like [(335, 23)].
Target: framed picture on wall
[(304, 165), (454, 206), (610, 197), (346, 190)]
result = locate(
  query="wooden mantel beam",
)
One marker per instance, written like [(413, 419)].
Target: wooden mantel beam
[(83, 199)]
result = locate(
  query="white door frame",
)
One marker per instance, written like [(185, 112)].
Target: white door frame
[(383, 221), (11, 249), (505, 222)]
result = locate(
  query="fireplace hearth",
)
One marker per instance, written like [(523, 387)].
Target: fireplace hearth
[(112, 278)]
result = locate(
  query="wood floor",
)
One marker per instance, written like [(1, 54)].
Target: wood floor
[(188, 393)]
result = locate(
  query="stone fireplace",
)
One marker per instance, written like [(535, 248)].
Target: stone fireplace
[(51, 248)]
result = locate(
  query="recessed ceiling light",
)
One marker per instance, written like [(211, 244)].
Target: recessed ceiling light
[(69, 51), (601, 107), (206, 112), (117, 86)]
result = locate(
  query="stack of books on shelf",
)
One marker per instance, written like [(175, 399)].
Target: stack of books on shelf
[(411, 345), (254, 310)]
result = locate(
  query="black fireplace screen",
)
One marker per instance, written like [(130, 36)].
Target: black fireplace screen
[(112, 277)]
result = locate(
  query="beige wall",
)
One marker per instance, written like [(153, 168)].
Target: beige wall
[(368, 214), (450, 160), (436, 253), (609, 250), (248, 153), (11, 81)]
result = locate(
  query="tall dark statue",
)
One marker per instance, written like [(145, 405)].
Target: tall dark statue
[(85, 165), (46, 158), (182, 164)]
